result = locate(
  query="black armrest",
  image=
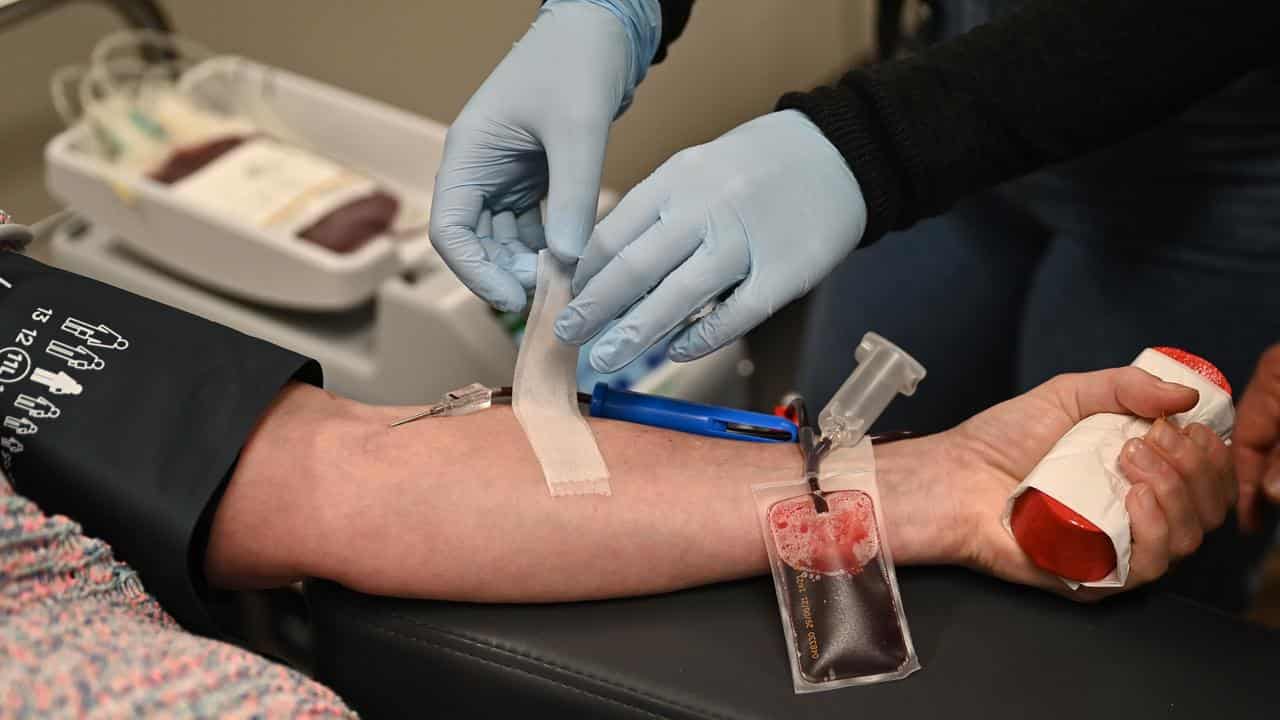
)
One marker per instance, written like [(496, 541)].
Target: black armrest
[(989, 650)]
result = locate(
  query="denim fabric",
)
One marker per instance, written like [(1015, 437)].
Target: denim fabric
[(1169, 238)]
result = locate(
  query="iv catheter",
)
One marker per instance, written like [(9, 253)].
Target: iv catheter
[(652, 410), (884, 370)]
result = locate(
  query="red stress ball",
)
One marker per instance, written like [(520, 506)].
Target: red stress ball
[(1203, 368), (1059, 539), (1062, 541)]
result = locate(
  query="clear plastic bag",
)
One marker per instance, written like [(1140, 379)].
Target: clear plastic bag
[(837, 590)]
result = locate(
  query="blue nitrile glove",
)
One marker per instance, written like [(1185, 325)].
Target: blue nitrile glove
[(538, 127), (770, 207)]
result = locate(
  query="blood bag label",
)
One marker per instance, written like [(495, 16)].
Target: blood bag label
[(273, 185)]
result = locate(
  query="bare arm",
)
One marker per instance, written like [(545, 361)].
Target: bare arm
[(456, 508), (461, 503)]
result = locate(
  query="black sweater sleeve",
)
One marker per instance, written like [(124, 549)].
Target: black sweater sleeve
[(128, 416), (1050, 81)]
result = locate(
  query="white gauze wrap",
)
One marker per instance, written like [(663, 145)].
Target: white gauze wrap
[(1082, 471), (545, 393)]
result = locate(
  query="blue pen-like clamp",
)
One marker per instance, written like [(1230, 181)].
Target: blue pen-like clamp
[(690, 417)]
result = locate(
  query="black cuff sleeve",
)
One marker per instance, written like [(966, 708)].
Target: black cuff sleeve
[(850, 123), (128, 416)]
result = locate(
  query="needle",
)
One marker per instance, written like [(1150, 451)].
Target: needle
[(432, 411)]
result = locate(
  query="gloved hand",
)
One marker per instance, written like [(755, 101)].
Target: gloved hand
[(538, 127), (770, 207)]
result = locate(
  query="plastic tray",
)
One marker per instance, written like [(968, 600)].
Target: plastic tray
[(397, 148)]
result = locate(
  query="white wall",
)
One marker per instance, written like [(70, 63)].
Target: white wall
[(734, 60)]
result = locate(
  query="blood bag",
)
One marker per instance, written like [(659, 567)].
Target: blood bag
[(835, 582)]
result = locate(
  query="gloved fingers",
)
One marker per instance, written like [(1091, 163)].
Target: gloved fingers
[(505, 233), (455, 220), (730, 320), (684, 291), (638, 210), (499, 236), (484, 233), (529, 224), (635, 270), (512, 242), (516, 257), (575, 162)]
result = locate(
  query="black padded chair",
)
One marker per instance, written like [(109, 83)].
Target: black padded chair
[(989, 650)]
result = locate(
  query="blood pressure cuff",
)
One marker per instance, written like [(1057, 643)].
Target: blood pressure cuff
[(128, 416)]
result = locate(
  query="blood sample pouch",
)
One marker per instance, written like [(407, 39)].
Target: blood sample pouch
[(837, 590)]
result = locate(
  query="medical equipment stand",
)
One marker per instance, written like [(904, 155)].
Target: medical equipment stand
[(422, 335), (389, 323)]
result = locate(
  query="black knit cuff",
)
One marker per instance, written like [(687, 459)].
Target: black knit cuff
[(845, 118)]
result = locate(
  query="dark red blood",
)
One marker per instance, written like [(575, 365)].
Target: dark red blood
[(1203, 367), (841, 540), (1060, 540), (836, 588), (187, 160), (349, 227), (345, 229)]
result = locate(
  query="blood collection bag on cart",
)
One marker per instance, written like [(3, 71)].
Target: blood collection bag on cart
[(219, 147)]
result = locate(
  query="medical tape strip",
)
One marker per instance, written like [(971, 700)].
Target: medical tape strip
[(545, 393)]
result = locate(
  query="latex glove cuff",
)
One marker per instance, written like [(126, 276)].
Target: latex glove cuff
[(642, 20)]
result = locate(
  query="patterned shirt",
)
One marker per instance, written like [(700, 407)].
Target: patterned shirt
[(79, 637)]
